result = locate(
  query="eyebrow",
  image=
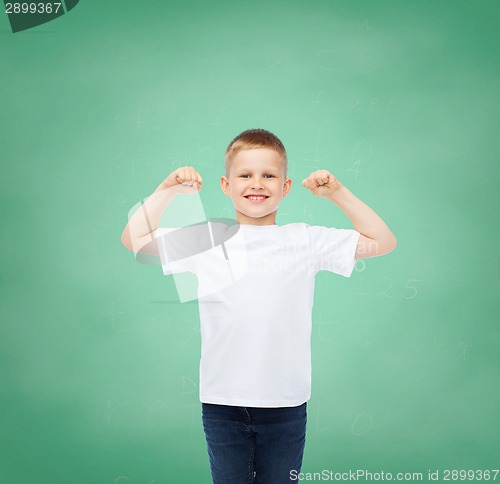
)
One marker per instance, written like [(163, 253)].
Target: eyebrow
[(265, 169)]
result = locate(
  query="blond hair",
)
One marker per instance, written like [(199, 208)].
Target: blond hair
[(255, 138)]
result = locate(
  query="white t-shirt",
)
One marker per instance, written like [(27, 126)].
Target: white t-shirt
[(255, 295)]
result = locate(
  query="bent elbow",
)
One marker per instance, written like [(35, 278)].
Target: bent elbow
[(125, 242), (393, 244), (387, 246)]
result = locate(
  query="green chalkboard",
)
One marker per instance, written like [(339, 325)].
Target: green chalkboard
[(99, 360)]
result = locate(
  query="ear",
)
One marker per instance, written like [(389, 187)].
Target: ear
[(224, 184), (287, 186)]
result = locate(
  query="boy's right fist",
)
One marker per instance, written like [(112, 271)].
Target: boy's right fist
[(186, 176)]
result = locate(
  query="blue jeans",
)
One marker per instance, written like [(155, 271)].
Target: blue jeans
[(252, 445)]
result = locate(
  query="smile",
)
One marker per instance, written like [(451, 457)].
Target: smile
[(256, 198)]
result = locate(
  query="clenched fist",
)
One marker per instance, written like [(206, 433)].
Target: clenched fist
[(185, 176), (322, 183)]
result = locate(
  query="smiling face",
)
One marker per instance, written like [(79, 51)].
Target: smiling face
[(257, 171)]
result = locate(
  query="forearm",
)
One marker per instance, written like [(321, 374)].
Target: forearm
[(146, 218), (363, 218)]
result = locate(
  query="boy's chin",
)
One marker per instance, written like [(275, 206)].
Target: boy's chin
[(254, 215)]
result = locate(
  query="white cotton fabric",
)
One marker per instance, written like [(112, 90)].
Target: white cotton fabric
[(255, 299)]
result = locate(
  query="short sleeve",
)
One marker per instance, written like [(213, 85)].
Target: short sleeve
[(171, 252), (333, 249)]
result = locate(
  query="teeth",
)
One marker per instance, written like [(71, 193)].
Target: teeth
[(256, 198)]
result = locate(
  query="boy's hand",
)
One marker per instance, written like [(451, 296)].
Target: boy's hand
[(184, 179), (322, 183)]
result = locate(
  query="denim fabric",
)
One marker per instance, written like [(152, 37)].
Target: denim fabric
[(252, 445)]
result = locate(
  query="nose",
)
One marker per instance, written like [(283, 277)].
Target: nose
[(256, 183)]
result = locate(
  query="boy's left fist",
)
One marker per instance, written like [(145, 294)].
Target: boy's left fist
[(322, 183)]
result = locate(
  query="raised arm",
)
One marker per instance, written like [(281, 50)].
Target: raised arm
[(376, 238), (138, 234)]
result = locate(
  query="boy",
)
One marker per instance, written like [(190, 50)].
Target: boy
[(255, 368)]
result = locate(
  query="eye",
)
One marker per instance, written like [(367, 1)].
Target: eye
[(243, 176)]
